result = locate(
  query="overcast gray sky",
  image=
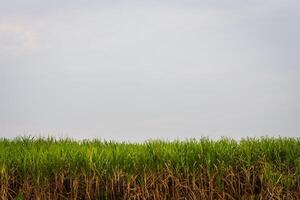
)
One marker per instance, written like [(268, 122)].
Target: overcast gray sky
[(134, 70)]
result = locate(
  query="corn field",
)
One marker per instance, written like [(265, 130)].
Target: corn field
[(61, 169)]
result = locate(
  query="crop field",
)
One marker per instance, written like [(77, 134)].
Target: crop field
[(47, 168)]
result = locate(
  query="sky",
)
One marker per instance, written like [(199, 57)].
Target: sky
[(139, 70)]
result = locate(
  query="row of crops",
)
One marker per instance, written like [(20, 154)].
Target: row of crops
[(46, 168)]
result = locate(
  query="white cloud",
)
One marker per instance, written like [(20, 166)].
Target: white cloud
[(16, 39)]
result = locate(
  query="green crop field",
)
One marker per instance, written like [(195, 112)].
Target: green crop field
[(37, 168)]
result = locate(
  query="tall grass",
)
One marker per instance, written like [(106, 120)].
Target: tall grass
[(37, 168)]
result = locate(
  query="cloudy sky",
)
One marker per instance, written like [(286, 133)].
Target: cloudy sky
[(134, 70)]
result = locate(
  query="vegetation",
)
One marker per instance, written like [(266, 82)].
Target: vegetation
[(37, 168)]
